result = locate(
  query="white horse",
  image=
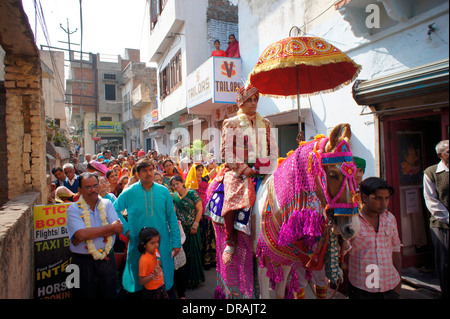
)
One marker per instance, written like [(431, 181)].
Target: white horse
[(338, 190)]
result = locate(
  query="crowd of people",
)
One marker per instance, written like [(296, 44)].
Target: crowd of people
[(151, 213), (151, 177)]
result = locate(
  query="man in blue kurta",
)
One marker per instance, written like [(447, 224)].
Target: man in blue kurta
[(148, 204)]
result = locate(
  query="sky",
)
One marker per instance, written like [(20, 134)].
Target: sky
[(109, 26)]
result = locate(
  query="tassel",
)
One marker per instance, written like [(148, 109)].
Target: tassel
[(300, 294), (321, 292), (218, 293)]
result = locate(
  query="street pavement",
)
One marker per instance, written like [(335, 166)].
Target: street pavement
[(416, 284)]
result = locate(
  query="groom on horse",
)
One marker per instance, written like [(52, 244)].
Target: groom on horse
[(249, 151)]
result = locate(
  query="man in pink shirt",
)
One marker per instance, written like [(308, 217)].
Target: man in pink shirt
[(375, 259)]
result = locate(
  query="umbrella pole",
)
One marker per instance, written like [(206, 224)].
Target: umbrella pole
[(298, 103)]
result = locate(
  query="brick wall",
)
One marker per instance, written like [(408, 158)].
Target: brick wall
[(222, 10), (3, 152), (25, 126)]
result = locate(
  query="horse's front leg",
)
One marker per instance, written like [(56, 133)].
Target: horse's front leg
[(280, 288), (264, 283)]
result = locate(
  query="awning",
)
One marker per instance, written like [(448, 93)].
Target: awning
[(424, 80), (286, 117)]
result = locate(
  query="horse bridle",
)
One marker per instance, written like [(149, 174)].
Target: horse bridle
[(342, 156)]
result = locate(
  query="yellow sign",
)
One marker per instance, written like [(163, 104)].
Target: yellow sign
[(50, 216), (51, 251)]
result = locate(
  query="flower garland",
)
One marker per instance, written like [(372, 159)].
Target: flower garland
[(260, 148), (101, 253)]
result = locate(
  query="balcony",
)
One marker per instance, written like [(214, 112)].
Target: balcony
[(140, 97), (169, 22), (213, 84)]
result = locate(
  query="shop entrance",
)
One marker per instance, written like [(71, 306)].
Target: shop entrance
[(410, 148), (114, 144)]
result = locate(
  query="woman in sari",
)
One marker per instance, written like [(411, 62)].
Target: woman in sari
[(188, 207), (113, 179), (170, 170), (198, 179)]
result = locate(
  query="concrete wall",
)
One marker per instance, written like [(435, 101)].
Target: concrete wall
[(17, 247), (54, 88)]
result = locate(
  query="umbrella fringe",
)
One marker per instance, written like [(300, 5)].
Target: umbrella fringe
[(317, 92), (292, 62)]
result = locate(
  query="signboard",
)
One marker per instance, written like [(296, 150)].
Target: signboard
[(150, 119), (199, 84), (155, 116), (217, 80), (106, 127), (227, 79), (51, 250)]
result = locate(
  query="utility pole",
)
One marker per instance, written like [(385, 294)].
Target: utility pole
[(81, 69), (68, 36)]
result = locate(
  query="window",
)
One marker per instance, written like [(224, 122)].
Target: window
[(170, 77), (164, 83), (110, 92), (126, 101), (175, 71), (156, 7), (109, 76)]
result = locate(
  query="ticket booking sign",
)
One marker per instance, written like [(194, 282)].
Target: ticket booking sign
[(51, 250)]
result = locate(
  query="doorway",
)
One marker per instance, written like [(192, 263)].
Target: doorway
[(287, 139), (409, 149)]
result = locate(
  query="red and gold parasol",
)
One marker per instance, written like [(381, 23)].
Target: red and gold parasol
[(302, 66)]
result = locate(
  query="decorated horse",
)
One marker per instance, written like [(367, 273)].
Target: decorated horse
[(299, 212)]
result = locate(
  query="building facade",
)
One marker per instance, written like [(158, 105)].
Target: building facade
[(99, 93), (138, 89), (397, 108), (181, 41)]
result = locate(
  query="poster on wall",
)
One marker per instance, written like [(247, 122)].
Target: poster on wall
[(410, 158), (51, 251)]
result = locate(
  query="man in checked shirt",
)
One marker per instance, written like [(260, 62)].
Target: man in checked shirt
[(375, 259)]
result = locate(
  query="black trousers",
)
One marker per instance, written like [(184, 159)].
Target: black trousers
[(439, 237), (97, 277), (356, 293)]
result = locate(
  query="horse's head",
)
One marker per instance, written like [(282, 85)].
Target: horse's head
[(337, 181)]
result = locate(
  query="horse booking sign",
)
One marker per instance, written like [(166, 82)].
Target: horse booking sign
[(51, 251)]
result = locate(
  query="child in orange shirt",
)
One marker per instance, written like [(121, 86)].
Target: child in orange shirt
[(150, 272)]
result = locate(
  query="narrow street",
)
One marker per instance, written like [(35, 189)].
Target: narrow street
[(416, 284), (315, 125)]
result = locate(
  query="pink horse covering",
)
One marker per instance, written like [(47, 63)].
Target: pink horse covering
[(235, 280)]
